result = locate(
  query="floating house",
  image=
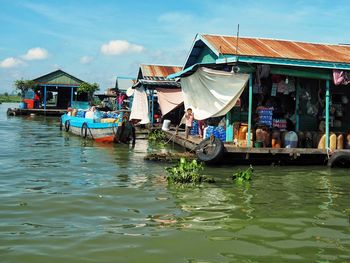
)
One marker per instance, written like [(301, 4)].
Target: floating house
[(62, 88), (152, 91), (57, 91), (291, 103)]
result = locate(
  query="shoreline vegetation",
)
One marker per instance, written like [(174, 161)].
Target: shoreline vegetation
[(9, 98)]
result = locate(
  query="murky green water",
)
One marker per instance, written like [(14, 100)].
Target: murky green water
[(66, 200)]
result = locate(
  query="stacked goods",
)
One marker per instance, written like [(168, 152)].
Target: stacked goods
[(194, 130), (74, 112), (347, 142), (340, 142), (276, 139), (262, 136), (265, 115), (208, 131), (217, 131), (80, 114), (332, 142), (108, 120), (280, 123), (220, 133), (243, 135)]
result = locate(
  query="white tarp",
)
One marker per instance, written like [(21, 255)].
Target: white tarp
[(212, 93), (169, 99), (139, 109)]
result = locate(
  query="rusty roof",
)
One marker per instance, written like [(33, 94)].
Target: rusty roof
[(158, 71), (260, 47)]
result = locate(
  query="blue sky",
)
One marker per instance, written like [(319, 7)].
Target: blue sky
[(98, 40)]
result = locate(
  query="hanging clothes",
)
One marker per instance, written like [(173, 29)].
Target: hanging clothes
[(341, 77), (169, 99), (212, 93), (140, 109)]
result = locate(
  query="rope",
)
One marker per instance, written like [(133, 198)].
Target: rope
[(328, 152)]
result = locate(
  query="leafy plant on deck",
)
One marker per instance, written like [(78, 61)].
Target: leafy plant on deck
[(187, 172), (25, 85), (243, 176), (88, 88)]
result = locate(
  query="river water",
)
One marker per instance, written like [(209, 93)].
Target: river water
[(64, 199)]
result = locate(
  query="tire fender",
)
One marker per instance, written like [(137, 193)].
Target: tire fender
[(210, 150), (339, 159), (83, 131)]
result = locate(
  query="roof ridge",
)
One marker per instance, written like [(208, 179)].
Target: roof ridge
[(161, 65), (277, 39)]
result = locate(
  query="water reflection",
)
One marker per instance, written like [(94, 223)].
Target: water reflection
[(101, 203)]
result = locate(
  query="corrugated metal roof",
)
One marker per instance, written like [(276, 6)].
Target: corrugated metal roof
[(157, 83), (58, 77), (158, 72), (260, 47)]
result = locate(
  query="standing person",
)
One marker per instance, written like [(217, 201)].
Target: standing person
[(201, 125), (36, 100), (189, 121)]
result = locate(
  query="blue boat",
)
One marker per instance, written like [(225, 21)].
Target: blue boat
[(107, 132)]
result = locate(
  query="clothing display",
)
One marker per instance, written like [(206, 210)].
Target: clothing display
[(341, 77)]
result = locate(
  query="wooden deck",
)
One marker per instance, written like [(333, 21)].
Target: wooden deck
[(47, 112), (240, 155)]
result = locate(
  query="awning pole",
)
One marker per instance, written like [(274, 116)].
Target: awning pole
[(152, 109), (327, 114), (229, 128), (71, 96), (297, 106), (250, 109), (44, 97)]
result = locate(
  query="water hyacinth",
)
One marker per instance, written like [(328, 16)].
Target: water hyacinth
[(187, 172), (157, 136), (243, 176)]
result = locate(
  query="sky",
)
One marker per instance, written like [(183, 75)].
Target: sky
[(97, 41)]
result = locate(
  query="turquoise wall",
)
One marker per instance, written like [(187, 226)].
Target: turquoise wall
[(206, 56)]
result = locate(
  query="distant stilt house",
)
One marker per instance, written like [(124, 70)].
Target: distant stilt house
[(162, 94), (58, 90)]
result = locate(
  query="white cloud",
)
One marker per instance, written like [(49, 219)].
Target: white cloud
[(36, 53), (11, 62), (86, 59), (118, 47)]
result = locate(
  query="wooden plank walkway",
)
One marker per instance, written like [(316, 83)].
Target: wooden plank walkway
[(234, 154), (193, 141), (47, 112)]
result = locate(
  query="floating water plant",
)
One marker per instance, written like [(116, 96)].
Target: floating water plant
[(243, 176), (187, 172), (157, 136)]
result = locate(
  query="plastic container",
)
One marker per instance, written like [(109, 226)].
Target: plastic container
[(242, 131), (166, 125), (89, 115), (22, 105), (74, 112), (290, 140), (258, 144), (30, 103)]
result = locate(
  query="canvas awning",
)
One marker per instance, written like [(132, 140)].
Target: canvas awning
[(169, 99), (139, 109), (212, 93)]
